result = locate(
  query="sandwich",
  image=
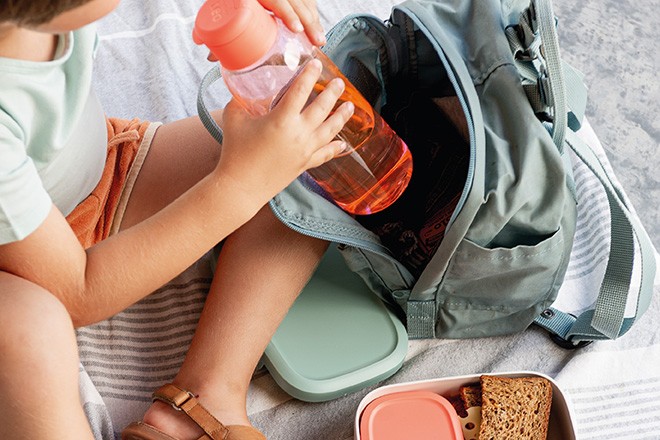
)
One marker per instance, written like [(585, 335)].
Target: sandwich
[(511, 408)]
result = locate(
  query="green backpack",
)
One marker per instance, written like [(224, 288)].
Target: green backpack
[(480, 241)]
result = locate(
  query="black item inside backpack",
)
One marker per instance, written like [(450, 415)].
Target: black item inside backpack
[(418, 101), (413, 227)]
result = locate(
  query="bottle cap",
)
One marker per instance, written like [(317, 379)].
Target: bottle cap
[(237, 32)]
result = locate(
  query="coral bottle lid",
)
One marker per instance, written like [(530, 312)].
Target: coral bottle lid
[(237, 32)]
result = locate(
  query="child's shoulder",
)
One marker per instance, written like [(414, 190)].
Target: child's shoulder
[(60, 87)]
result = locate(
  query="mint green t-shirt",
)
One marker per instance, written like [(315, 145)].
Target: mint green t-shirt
[(52, 135)]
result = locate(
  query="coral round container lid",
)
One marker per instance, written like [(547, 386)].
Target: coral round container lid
[(419, 415)]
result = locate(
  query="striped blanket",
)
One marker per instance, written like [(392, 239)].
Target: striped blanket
[(148, 67)]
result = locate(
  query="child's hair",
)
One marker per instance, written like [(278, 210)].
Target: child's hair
[(35, 12)]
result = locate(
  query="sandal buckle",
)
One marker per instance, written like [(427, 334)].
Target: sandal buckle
[(176, 401)]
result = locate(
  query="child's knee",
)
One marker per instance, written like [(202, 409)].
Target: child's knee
[(33, 320)]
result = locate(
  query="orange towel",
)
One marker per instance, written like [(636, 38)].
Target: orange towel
[(92, 219)]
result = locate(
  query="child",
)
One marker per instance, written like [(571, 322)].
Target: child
[(89, 225)]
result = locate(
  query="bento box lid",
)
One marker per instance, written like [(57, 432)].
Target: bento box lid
[(337, 338)]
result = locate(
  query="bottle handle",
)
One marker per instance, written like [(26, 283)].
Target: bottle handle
[(207, 120)]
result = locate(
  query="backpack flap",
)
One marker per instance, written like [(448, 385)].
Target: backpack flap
[(509, 263)]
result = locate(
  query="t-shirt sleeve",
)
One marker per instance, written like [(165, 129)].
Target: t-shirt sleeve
[(24, 203)]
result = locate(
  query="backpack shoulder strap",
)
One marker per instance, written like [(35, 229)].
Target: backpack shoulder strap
[(608, 320)]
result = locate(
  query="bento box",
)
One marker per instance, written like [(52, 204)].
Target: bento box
[(398, 406)]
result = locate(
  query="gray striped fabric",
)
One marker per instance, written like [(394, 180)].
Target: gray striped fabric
[(147, 66), (129, 355)]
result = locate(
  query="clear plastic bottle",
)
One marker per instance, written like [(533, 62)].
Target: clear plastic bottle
[(259, 57)]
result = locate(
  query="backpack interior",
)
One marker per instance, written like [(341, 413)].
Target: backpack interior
[(400, 73)]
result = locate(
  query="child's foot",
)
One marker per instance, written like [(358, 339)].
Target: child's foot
[(175, 423), (163, 417)]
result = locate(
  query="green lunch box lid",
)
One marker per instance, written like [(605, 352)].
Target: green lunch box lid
[(337, 338)]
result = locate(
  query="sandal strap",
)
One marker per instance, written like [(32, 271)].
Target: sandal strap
[(183, 400)]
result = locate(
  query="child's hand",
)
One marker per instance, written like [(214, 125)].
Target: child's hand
[(263, 154), (298, 15)]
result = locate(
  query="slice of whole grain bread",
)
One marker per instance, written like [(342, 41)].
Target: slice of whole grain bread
[(471, 395), (515, 408)]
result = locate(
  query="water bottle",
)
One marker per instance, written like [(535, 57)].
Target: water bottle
[(259, 57)]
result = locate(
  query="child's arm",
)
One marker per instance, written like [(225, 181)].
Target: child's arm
[(260, 156)]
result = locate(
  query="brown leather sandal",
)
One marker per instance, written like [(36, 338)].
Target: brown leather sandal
[(185, 401)]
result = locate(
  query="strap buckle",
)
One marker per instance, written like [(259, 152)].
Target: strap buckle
[(566, 344), (177, 406), (173, 395), (560, 341)]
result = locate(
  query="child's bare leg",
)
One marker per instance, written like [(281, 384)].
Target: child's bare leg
[(261, 270), (38, 366)]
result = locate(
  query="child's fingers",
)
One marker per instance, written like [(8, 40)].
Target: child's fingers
[(296, 97), (285, 12), (335, 122), (326, 152), (308, 13), (320, 108), (298, 15)]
